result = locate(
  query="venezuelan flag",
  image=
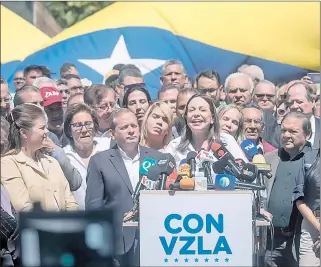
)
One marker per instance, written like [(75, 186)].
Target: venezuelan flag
[(282, 38), (19, 39)]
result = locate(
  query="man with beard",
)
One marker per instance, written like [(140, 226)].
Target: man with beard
[(5, 98), (103, 99), (253, 126)]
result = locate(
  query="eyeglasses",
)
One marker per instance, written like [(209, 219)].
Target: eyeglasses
[(38, 103), (261, 96), (208, 90), (256, 122), (104, 106), (6, 99), (78, 125)]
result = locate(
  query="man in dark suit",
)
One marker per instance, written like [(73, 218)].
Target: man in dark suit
[(112, 177)]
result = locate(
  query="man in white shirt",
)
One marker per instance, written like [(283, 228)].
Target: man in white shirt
[(112, 176)]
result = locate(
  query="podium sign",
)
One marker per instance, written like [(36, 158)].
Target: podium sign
[(190, 228)]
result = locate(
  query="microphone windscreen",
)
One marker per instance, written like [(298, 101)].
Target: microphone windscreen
[(215, 147), (249, 148), (259, 159), (225, 182), (187, 184), (146, 164), (191, 155), (154, 173)]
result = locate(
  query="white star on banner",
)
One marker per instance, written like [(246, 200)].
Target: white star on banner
[(120, 55)]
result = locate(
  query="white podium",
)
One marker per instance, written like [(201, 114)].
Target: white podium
[(196, 228)]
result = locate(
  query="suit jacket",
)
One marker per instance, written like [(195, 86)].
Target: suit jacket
[(109, 187), (26, 183)]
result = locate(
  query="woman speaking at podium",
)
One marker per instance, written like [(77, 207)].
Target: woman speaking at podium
[(202, 130)]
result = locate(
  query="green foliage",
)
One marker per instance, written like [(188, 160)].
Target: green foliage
[(69, 13)]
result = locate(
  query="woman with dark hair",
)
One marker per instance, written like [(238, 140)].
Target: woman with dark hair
[(27, 174), (306, 195), (80, 127), (202, 130), (137, 99)]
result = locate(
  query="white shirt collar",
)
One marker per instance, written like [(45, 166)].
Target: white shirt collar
[(124, 155)]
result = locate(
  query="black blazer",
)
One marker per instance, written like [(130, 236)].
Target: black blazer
[(109, 186)]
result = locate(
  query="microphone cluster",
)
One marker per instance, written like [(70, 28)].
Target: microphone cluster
[(217, 168)]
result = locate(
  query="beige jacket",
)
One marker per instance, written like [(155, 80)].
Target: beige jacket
[(27, 183)]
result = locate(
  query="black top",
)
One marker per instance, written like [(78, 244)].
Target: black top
[(308, 182), (280, 202)]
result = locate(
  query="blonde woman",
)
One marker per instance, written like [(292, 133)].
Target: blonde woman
[(156, 128), (231, 120)]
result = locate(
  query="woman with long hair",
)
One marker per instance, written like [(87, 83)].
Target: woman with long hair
[(27, 174), (307, 199), (231, 120), (137, 99), (202, 130), (80, 126), (156, 128)]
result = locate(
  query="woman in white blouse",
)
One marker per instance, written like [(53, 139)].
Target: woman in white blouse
[(80, 126), (202, 130)]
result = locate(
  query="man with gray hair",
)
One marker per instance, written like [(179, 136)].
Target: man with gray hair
[(128, 75), (255, 72), (238, 88), (264, 94), (173, 72), (42, 82)]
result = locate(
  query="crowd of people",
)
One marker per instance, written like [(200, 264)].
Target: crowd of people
[(70, 144)]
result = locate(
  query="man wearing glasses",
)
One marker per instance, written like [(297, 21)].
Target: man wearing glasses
[(74, 84), (208, 82), (253, 126), (5, 98), (264, 94)]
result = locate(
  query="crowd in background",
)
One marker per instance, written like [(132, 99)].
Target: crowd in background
[(71, 144)]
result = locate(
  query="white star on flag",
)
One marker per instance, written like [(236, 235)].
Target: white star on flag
[(120, 55)]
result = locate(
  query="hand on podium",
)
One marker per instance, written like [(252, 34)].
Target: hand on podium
[(131, 215)]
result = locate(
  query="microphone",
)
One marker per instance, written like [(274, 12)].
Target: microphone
[(143, 171), (249, 148), (240, 163), (249, 172), (184, 169), (183, 184), (262, 166), (147, 163), (226, 159), (225, 182), (204, 160), (166, 167), (191, 160)]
